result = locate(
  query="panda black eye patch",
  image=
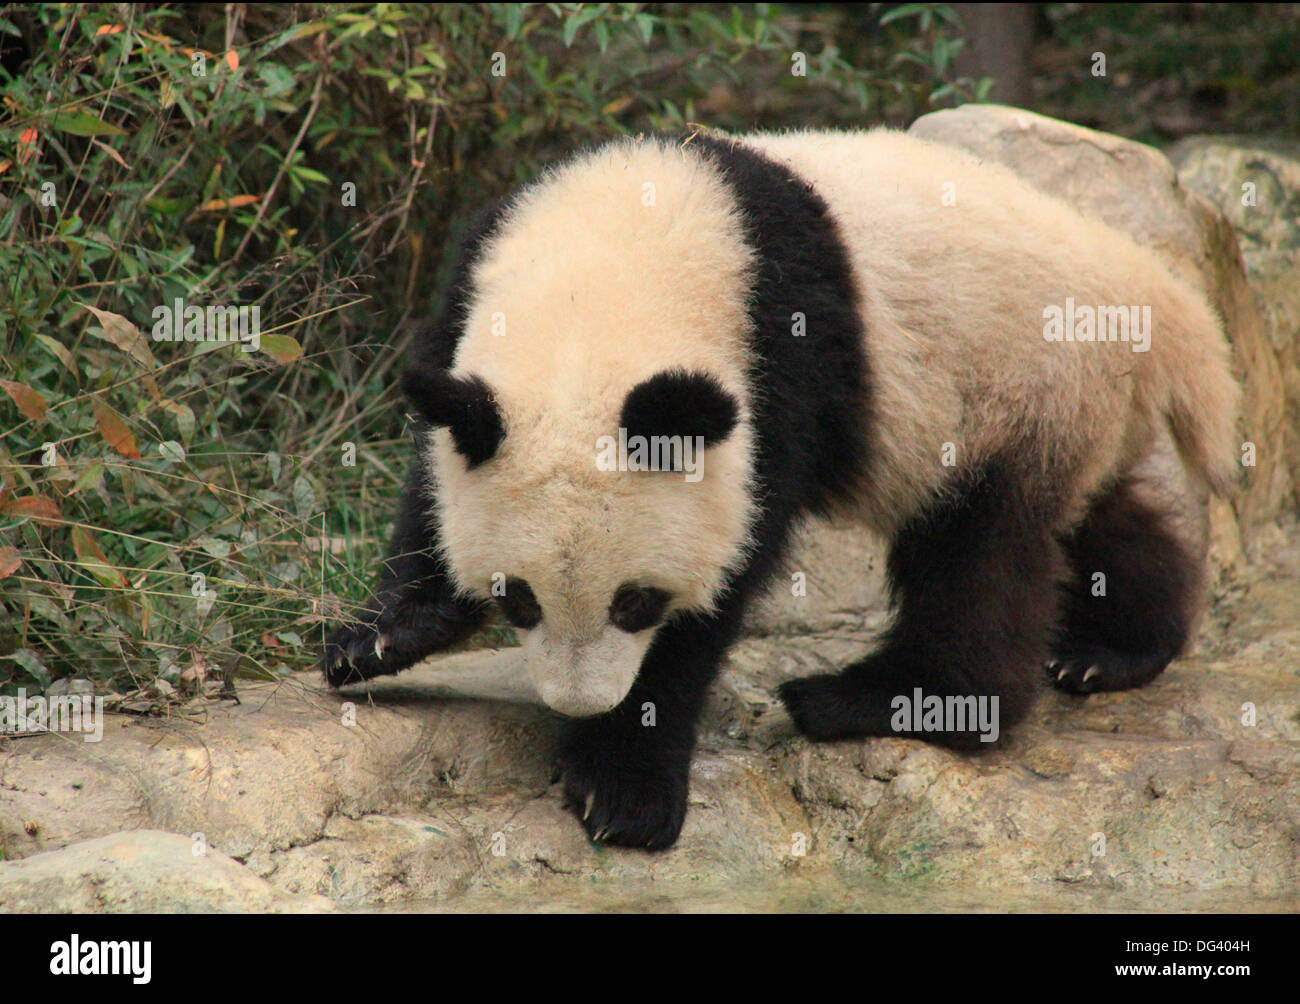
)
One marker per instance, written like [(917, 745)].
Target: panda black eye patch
[(519, 605), (635, 608)]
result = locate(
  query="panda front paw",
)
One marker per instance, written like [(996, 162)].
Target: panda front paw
[(628, 801), (399, 636), (354, 653)]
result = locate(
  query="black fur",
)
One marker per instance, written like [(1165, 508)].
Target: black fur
[(519, 604), (636, 608), (678, 403), (416, 610), (974, 579), (812, 392), (463, 404), (1126, 636), (627, 779)]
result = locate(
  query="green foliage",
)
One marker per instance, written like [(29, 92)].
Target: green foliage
[(313, 161), (1173, 69)]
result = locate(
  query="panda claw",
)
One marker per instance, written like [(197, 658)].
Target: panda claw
[(357, 652), (623, 807), (1098, 669)]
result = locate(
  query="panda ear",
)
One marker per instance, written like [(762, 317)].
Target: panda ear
[(680, 403), (463, 404)]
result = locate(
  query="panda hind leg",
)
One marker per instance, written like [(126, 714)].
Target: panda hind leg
[(1131, 597), (975, 581)]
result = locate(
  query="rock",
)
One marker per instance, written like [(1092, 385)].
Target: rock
[(66, 686), (1134, 188), (267, 774), (834, 577), (1255, 183), (141, 871)]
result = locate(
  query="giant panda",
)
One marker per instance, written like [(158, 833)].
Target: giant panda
[(855, 324)]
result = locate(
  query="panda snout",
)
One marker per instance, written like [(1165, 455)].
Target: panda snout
[(581, 688), (584, 678), (579, 705)]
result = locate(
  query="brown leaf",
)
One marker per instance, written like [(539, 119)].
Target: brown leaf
[(10, 561), (30, 403), (91, 555), (234, 202), (125, 335), (38, 508), (111, 152), (194, 676), (85, 546), (114, 430)]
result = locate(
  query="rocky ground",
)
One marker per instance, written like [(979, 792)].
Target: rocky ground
[(1156, 799), (1182, 796)]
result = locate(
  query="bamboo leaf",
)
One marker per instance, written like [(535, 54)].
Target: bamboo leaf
[(114, 430), (84, 124), (59, 351), (38, 508), (126, 336), (282, 348), (31, 662), (89, 478), (30, 403)]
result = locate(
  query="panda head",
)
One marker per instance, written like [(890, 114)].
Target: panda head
[(542, 509)]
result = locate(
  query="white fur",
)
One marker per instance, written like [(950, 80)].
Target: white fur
[(953, 300), (599, 291)]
